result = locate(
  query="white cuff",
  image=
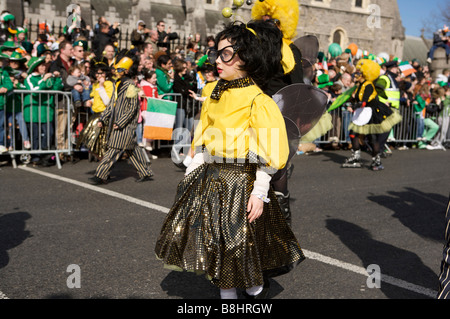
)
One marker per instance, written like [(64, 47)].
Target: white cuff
[(262, 184), (196, 162)]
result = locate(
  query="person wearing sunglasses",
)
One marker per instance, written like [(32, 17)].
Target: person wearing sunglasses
[(226, 221), (121, 117)]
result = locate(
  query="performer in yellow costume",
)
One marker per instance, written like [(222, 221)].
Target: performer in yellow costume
[(226, 221), (92, 136), (380, 117)]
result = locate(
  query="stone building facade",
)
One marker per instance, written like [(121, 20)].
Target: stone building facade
[(374, 25)]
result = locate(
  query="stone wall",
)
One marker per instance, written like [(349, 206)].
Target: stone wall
[(384, 33)]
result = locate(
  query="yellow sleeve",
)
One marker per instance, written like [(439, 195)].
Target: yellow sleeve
[(268, 137), (109, 88), (201, 127)]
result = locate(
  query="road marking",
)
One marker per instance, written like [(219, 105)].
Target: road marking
[(3, 296), (309, 254), (362, 271), (99, 190)]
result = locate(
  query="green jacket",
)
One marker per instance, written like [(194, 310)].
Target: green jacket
[(5, 82), (42, 104), (446, 109), (421, 104), (164, 83)]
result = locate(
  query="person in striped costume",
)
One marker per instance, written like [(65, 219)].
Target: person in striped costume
[(122, 116), (444, 278)]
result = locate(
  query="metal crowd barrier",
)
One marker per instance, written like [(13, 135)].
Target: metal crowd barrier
[(47, 126), (404, 132)]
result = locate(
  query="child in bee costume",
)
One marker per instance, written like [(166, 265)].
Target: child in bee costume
[(285, 15), (371, 117), (226, 221), (121, 116)]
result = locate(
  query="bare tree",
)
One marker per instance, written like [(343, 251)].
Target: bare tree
[(437, 20)]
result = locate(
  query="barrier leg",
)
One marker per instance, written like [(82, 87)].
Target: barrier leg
[(58, 161), (14, 163)]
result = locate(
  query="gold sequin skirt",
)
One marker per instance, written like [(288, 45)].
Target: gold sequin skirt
[(94, 137), (207, 230)]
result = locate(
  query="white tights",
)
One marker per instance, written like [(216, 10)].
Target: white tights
[(232, 293)]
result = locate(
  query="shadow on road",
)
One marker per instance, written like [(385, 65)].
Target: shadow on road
[(188, 285), (422, 213), (12, 233), (393, 261)]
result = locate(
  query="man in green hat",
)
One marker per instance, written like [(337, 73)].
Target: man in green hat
[(17, 74), (42, 50), (6, 86), (38, 108), (79, 47), (324, 81), (18, 67), (8, 48)]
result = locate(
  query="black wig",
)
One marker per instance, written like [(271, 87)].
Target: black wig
[(261, 53)]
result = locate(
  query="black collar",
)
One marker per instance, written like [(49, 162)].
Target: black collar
[(223, 85)]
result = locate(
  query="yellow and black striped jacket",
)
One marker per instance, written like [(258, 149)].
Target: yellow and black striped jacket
[(123, 111)]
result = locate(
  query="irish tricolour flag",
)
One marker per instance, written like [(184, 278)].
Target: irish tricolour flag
[(406, 68), (159, 119)]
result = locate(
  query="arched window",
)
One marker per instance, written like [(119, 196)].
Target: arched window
[(339, 37)]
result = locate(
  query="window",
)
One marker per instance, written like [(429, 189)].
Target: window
[(337, 37), (358, 3)]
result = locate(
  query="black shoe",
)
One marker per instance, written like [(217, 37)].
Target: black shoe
[(144, 179), (96, 180)]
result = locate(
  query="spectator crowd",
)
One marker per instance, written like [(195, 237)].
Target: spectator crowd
[(80, 59)]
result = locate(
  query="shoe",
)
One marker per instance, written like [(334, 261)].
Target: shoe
[(3, 149), (149, 148), (144, 179), (429, 60), (403, 148), (376, 164), (141, 144), (77, 104), (353, 161), (27, 145), (94, 180), (263, 294)]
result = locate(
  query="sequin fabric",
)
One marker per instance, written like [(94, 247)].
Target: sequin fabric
[(207, 230), (223, 85), (94, 137)]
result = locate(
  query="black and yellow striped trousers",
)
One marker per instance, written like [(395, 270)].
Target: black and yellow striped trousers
[(444, 278), (112, 155)]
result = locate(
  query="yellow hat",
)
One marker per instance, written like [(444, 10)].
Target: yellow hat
[(369, 69), (124, 63), (285, 11)]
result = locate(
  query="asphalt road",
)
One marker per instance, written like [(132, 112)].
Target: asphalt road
[(56, 231)]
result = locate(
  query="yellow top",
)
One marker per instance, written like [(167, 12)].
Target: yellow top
[(288, 59), (243, 121), (208, 88), (98, 106)]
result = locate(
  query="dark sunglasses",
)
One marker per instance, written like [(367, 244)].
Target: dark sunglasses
[(226, 55)]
